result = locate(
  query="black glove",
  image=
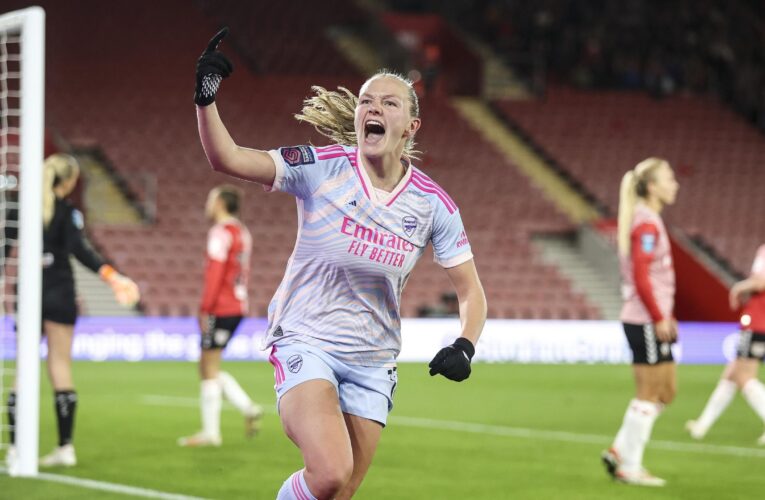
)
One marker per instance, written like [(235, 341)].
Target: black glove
[(453, 361), (212, 68)]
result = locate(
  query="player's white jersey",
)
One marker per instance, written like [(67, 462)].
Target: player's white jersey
[(354, 251)]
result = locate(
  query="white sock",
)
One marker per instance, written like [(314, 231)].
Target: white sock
[(754, 393), (636, 430), (718, 402), (234, 393), (210, 402), (295, 488)]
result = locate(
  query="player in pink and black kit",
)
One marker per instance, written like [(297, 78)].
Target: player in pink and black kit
[(365, 215), (741, 373), (648, 289), (224, 304)]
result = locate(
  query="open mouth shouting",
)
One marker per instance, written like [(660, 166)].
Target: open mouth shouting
[(374, 131)]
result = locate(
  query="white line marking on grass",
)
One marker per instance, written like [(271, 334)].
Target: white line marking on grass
[(92, 484), (516, 432), (570, 437)]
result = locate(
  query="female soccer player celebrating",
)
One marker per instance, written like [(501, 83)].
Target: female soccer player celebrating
[(62, 237), (649, 290), (365, 215), (741, 373)]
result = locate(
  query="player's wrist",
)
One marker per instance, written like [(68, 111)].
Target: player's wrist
[(465, 346), (108, 273)]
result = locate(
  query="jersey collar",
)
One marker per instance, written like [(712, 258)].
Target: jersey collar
[(371, 192)]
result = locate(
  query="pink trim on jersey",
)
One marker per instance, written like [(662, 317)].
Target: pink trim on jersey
[(329, 156), (431, 183), (297, 487), (355, 165), (278, 369), (329, 149), (419, 181), (403, 188)]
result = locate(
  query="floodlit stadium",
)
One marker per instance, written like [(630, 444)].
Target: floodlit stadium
[(582, 179)]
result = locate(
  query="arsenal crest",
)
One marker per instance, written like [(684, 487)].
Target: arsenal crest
[(409, 223)]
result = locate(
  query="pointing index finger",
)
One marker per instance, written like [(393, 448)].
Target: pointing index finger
[(215, 41)]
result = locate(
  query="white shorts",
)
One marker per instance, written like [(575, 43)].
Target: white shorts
[(365, 391)]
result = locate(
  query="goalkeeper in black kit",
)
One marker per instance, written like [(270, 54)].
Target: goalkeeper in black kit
[(63, 237)]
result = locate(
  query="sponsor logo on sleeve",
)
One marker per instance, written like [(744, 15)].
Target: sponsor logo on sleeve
[(648, 242), (298, 155), (463, 240)]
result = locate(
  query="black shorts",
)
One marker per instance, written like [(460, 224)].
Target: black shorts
[(59, 304), (751, 345), (219, 331), (646, 350)]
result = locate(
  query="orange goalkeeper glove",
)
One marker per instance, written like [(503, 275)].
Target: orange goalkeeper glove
[(125, 290)]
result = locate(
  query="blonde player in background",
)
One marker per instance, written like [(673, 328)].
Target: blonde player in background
[(224, 304), (365, 215), (741, 373), (63, 236), (647, 315)]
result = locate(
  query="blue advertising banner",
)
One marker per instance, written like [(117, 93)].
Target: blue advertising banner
[(518, 341)]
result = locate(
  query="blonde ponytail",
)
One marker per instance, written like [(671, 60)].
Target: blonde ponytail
[(634, 185), (627, 200), (332, 113), (58, 167)]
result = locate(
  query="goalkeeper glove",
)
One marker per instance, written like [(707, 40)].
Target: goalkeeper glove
[(212, 68), (125, 290), (453, 361)]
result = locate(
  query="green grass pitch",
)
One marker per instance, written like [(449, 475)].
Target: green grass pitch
[(510, 431)]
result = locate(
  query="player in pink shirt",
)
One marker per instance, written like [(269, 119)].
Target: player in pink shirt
[(365, 215), (747, 297), (648, 289)]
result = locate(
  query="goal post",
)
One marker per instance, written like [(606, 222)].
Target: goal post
[(22, 110)]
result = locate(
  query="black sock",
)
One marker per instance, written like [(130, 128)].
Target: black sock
[(12, 417), (66, 405)]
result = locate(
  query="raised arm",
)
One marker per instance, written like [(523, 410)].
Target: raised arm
[(222, 152), (225, 156)]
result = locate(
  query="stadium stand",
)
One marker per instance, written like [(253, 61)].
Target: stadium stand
[(596, 136), (146, 123)]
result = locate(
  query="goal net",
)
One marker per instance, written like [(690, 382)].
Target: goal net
[(22, 58)]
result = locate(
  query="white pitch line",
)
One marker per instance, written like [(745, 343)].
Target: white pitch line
[(570, 437), (506, 431), (92, 484)]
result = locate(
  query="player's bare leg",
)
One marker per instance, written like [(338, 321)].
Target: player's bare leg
[(311, 417), (365, 435), (59, 365)]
